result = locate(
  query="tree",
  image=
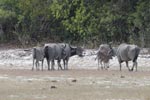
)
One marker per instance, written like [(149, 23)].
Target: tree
[(141, 21), (78, 21)]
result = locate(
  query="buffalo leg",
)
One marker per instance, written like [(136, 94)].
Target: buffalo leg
[(33, 65), (102, 66), (134, 64), (64, 62), (42, 64), (67, 64), (37, 64), (48, 62), (98, 63), (59, 65), (52, 65), (107, 65), (120, 65), (127, 65)]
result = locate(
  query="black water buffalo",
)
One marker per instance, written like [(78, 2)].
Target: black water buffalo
[(60, 51), (38, 55), (127, 52), (69, 52), (54, 51), (104, 54)]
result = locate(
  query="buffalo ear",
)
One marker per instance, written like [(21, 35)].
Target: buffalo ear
[(111, 52), (72, 48), (64, 46)]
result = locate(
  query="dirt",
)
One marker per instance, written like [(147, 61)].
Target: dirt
[(20, 84)]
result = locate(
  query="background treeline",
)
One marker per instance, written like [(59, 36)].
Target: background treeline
[(88, 22)]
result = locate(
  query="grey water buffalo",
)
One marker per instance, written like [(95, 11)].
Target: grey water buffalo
[(38, 55), (127, 52), (104, 54), (69, 52), (53, 51)]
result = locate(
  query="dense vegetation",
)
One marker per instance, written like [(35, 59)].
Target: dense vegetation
[(88, 22)]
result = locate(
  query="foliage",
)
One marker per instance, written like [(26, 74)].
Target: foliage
[(78, 21)]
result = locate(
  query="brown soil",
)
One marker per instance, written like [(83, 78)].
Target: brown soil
[(18, 84)]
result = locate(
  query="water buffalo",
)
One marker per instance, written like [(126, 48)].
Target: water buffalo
[(58, 51), (54, 51), (38, 55), (69, 52), (104, 53), (127, 52)]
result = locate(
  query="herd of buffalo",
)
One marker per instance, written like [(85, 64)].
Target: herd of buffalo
[(63, 51)]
